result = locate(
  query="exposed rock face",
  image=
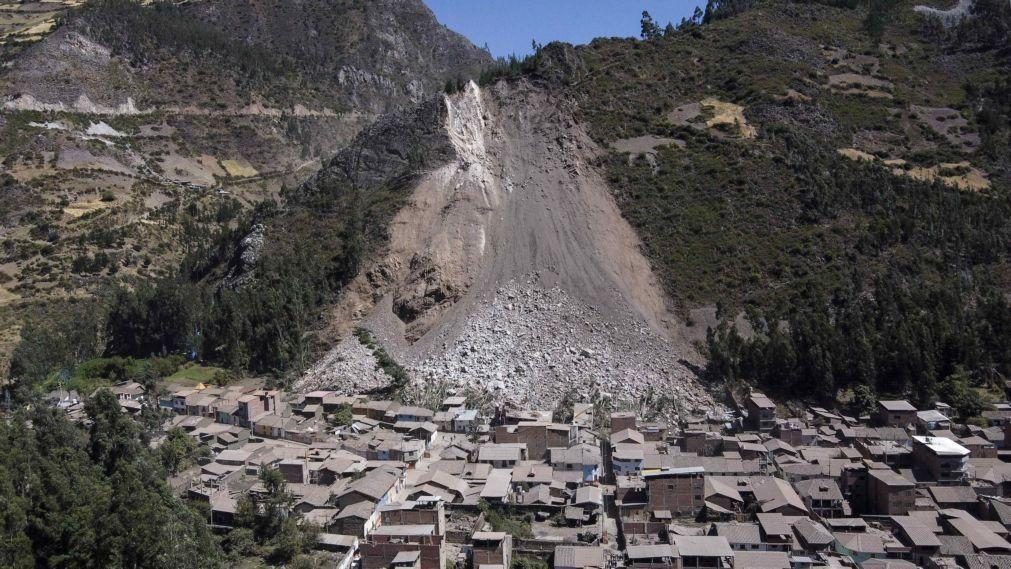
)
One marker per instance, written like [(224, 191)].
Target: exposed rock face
[(511, 267), (248, 254)]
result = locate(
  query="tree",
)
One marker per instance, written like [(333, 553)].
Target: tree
[(343, 416), (650, 30), (878, 14), (56, 341), (176, 450), (865, 401), (61, 508)]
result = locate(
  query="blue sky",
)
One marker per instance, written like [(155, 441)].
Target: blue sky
[(508, 26)]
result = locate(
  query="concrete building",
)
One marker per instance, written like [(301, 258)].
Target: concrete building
[(943, 459)]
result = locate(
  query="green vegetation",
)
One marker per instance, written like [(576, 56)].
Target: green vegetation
[(852, 277), (384, 361), (524, 562), (194, 373), (342, 417), (507, 519), (94, 497), (178, 451), (270, 527)]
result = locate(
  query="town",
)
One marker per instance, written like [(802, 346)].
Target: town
[(404, 487)]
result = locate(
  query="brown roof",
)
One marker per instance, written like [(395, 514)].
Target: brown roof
[(373, 485), (973, 561), (738, 533), (917, 534), (982, 537), (897, 405), (812, 533), (819, 489), (702, 546), (889, 478), (861, 542), (953, 494)]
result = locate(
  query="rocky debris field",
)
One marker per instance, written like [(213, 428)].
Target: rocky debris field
[(349, 367), (531, 345)]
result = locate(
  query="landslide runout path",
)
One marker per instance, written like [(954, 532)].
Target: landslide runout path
[(512, 268)]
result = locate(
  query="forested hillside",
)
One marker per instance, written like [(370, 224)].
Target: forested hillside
[(866, 240)]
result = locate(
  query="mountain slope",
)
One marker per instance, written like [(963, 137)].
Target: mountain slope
[(131, 134), (510, 267)]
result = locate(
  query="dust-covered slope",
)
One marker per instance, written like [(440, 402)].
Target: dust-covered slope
[(512, 268)]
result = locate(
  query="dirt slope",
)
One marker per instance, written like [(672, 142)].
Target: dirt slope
[(512, 267)]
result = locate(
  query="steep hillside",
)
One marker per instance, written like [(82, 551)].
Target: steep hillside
[(838, 170), (511, 268), (811, 196), (131, 132)]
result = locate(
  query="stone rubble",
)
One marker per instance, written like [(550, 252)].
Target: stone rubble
[(531, 346), (349, 368)]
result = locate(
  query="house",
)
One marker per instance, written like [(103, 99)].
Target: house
[(404, 547), (860, 546), (920, 538), (626, 459), (699, 552), (658, 556), (982, 537), (762, 560), (467, 421), (823, 497), (491, 548), (888, 493), (502, 455), (378, 487), (896, 413), (358, 519), (777, 535), (740, 536), (761, 412), (812, 536), (931, 420), (582, 457), (979, 447), (498, 487), (538, 436), (622, 420), (677, 491), (956, 497)]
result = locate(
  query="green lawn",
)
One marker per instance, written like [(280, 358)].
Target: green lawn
[(193, 373)]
